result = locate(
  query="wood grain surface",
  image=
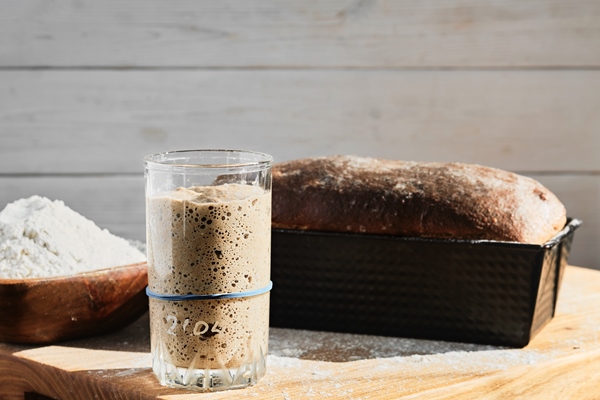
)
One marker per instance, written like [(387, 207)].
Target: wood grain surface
[(106, 121), (562, 362), (331, 33)]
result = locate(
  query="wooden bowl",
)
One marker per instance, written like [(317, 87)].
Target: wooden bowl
[(47, 310)]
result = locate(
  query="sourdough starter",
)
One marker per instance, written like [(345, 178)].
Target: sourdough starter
[(209, 240)]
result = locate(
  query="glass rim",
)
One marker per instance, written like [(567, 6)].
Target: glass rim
[(162, 159)]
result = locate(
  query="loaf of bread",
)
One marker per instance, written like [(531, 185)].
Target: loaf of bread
[(436, 200)]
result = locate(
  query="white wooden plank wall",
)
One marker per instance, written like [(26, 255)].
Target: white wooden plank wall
[(87, 88)]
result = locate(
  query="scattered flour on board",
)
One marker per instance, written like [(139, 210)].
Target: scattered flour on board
[(313, 353), (481, 361), (40, 238)]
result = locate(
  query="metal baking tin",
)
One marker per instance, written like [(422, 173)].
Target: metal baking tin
[(473, 291)]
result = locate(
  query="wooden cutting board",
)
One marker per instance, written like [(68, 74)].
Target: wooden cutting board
[(562, 361)]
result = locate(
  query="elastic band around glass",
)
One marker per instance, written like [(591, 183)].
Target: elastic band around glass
[(216, 296)]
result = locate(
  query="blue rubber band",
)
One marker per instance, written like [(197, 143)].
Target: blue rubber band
[(216, 296)]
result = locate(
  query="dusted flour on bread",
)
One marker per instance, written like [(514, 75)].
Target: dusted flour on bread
[(439, 200), (40, 238)]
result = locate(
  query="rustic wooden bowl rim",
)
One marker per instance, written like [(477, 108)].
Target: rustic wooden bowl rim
[(82, 275)]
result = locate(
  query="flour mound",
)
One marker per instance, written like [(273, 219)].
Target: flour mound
[(40, 238)]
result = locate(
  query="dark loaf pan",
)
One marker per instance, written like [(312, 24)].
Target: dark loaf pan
[(499, 293)]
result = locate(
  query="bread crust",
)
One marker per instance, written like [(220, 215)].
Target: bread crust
[(437, 200)]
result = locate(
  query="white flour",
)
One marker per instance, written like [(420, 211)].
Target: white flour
[(44, 238)]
